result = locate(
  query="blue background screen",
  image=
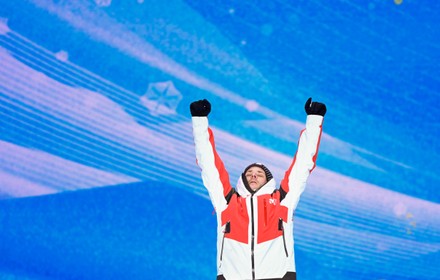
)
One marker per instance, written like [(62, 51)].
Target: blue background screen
[(98, 177)]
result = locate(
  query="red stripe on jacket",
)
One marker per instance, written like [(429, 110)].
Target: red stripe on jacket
[(224, 176)]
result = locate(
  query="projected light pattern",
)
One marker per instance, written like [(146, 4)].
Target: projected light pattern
[(95, 94)]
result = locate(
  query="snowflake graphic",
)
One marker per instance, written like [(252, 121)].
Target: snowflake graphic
[(161, 98)]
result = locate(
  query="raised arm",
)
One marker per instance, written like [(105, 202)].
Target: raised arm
[(304, 161), (214, 175)]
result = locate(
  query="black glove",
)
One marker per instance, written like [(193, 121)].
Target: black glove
[(315, 108), (200, 108)]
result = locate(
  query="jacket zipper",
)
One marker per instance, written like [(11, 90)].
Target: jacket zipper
[(227, 230), (253, 238), (281, 227)]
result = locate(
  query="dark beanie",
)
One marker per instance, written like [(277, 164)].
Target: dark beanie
[(262, 166)]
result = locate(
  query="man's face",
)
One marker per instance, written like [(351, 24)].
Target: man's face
[(256, 177)]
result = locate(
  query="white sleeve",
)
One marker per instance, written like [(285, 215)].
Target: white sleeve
[(295, 179), (214, 175)]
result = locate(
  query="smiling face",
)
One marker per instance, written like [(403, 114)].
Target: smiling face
[(256, 177)]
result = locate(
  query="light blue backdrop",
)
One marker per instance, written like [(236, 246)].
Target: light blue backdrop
[(98, 178)]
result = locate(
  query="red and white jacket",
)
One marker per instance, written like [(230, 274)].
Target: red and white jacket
[(255, 230)]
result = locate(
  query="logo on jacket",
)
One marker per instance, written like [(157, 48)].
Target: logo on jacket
[(272, 201)]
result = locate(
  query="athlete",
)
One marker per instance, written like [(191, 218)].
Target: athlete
[(255, 219)]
